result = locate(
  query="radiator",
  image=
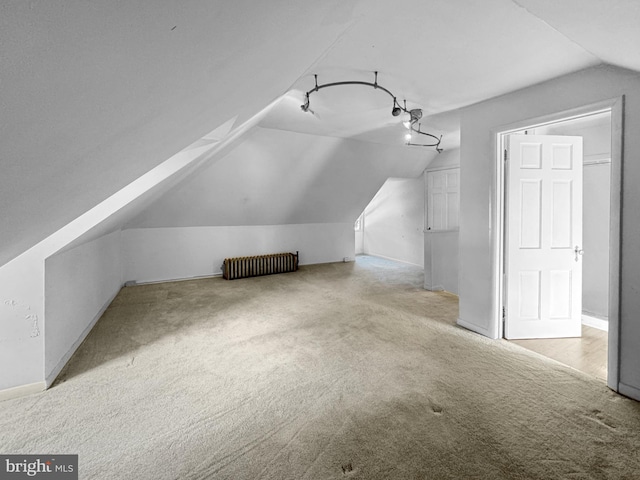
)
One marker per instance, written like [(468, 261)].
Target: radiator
[(243, 267)]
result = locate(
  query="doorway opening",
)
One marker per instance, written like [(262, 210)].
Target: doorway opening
[(600, 126)]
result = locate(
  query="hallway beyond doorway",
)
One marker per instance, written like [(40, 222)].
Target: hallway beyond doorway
[(587, 353)]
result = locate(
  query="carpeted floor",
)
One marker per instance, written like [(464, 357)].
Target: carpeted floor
[(338, 371)]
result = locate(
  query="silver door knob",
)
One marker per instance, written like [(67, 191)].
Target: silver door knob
[(578, 251)]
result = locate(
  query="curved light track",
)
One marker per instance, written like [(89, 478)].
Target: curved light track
[(415, 114)]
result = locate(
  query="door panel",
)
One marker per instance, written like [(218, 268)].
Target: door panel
[(561, 210), (543, 235), (530, 213)]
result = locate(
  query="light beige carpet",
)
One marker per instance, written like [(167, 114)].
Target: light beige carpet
[(339, 371)]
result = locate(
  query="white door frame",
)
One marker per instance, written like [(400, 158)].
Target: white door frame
[(616, 107)]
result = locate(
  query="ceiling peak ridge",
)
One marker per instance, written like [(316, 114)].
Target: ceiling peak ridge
[(518, 3), (314, 65)]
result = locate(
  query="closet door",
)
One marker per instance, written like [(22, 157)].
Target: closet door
[(443, 193)]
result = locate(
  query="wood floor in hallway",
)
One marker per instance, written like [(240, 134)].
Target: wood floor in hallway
[(587, 353)]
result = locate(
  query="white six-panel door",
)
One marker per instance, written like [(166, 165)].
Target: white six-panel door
[(443, 189), (543, 237)]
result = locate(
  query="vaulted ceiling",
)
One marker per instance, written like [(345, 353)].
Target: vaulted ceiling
[(96, 94)]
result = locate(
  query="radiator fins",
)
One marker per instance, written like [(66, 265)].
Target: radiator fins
[(244, 267)]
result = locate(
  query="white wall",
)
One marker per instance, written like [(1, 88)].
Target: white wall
[(595, 235), (21, 323), (477, 160), (359, 243), (441, 261), (158, 254), (394, 221), (79, 285)]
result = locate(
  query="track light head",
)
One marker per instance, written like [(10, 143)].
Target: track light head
[(416, 114), (396, 110), (305, 106)]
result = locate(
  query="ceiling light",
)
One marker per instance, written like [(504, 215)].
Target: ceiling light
[(414, 114)]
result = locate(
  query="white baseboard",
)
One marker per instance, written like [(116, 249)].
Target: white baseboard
[(595, 322), (434, 288), (51, 377), (475, 328), (133, 283), (629, 391), (22, 390)]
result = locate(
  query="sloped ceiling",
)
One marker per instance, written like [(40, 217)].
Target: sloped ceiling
[(95, 94), (608, 30), (277, 177)]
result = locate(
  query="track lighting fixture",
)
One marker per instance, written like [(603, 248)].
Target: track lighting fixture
[(414, 114)]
